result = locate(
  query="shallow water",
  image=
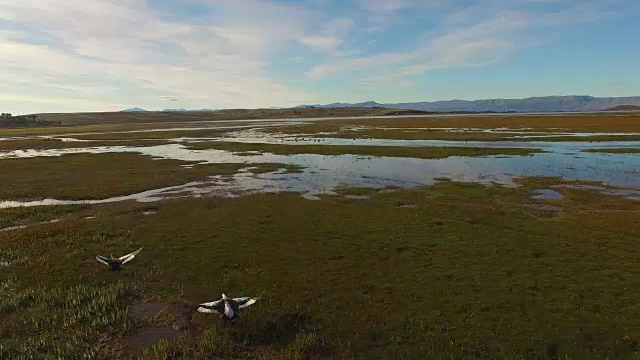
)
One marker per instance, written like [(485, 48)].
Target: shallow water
[(323, 174), (19, 227), (513, 132), (547, 194), (258, 137)]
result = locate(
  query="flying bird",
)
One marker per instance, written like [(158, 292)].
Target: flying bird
[(227, 307), (115, 263)]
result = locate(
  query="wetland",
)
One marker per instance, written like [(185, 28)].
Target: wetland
[(439, 237)]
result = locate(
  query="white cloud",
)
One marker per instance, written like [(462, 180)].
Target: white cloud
[(481, 34), (125, 44), (330, 37)]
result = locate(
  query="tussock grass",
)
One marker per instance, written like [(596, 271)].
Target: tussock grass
[(61, 322)]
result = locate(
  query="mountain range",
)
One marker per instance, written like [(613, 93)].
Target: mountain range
[(137, 109), (532, 104)]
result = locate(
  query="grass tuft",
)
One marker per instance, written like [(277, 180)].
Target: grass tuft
[(62, 322)]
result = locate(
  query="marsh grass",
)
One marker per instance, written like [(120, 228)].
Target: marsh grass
[(563, 123), (472, 136), (42, 144), (391, 151), (33, 215), (86, 128), (98, 176), (428, 128), (615, 151), (470, 272), (61, 322), (155, 134)]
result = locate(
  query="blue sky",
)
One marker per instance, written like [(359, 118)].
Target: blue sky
[(105, 55)]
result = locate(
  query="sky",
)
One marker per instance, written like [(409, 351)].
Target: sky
[(108, 55)]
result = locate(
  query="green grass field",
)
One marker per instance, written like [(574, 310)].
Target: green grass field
[(469, 272)]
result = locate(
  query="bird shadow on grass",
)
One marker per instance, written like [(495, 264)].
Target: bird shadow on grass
[(275, 330)]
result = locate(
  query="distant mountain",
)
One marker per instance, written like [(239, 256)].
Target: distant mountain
[(185, 110), (532, 104), (344, 105), (624, 108), (135, 109)]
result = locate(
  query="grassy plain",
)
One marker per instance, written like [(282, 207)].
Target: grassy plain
[(471, 271), (392, 151)]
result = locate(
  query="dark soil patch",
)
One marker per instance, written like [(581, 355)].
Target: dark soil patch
[(148, 336)]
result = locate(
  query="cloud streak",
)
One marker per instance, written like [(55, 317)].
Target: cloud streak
[(482, 34)]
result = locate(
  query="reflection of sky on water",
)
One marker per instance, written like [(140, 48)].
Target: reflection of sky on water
[(322, 174)]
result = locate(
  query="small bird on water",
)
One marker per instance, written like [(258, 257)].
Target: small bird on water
[(227, 307), (115, 263)]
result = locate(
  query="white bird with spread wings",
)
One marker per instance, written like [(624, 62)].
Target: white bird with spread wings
[(227, 307), (115, 263)]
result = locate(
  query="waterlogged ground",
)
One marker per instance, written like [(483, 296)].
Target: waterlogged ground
[(471, 237)]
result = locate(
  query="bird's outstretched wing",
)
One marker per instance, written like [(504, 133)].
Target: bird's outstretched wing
[(103, 259), (126, 258), (243, 302), (215, 307)]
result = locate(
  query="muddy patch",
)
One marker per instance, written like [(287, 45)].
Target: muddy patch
[(148, 336), (140, 312), (157, 321), (148, 311)]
